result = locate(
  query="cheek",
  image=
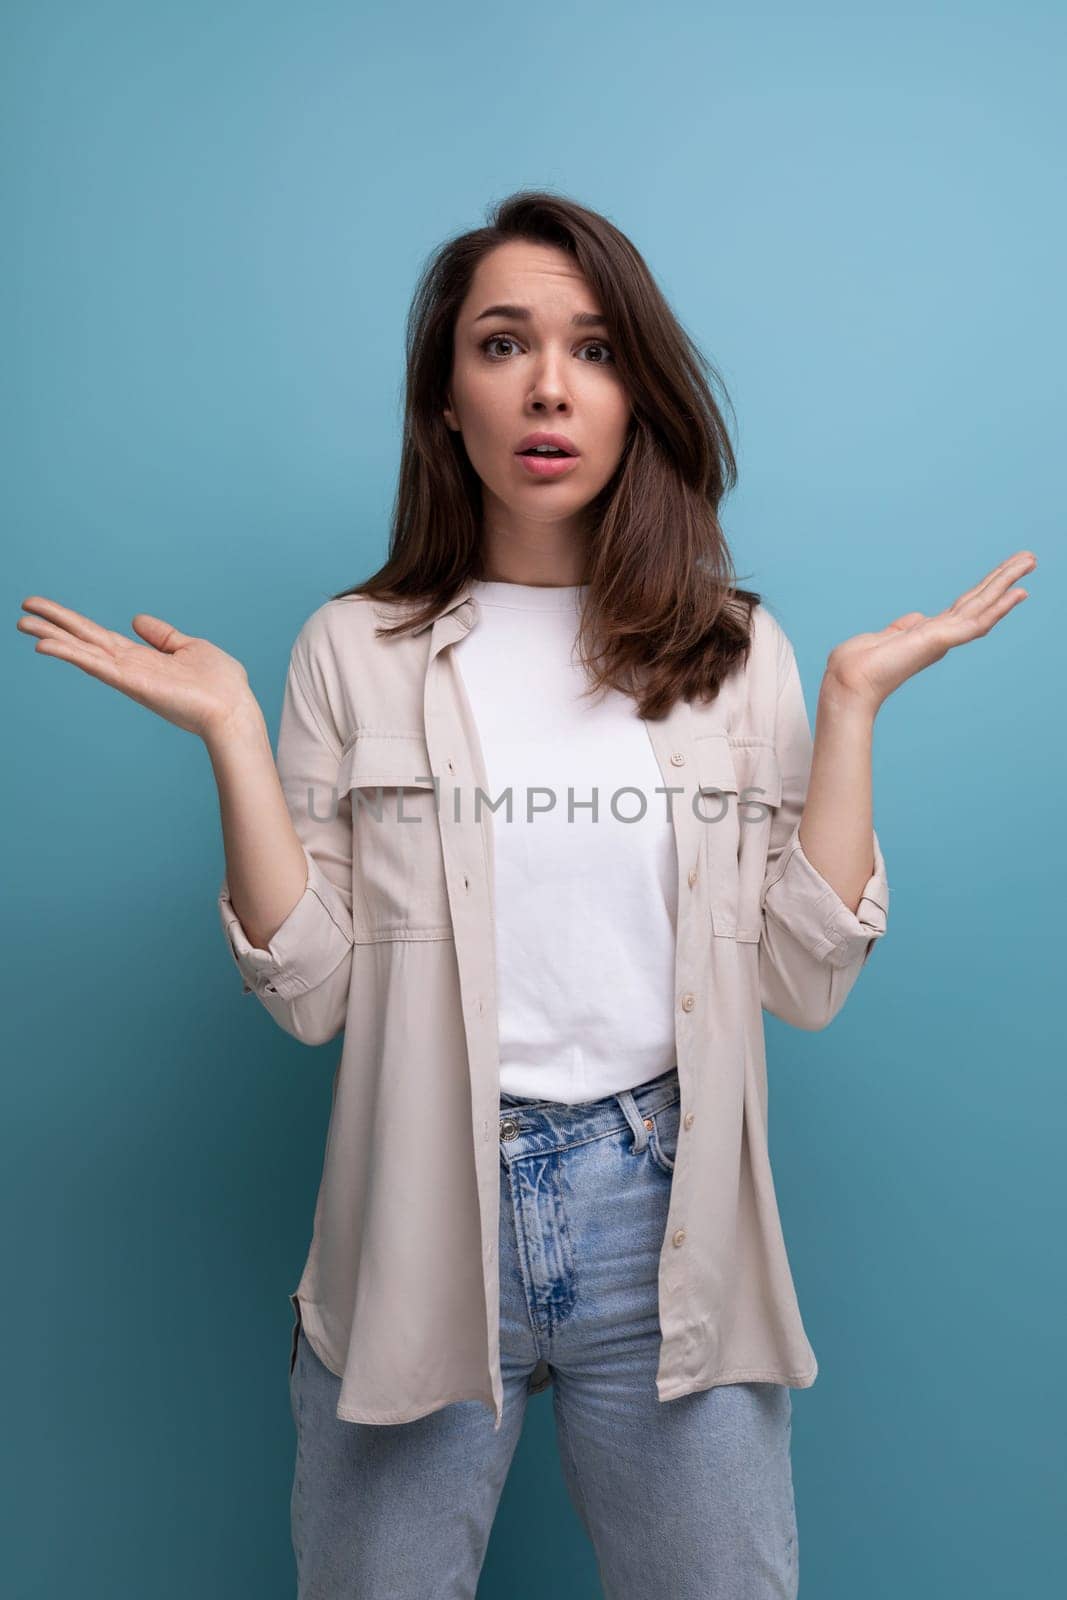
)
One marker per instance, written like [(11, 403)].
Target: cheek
[(482, 407), (487, 439), (609, 402), (612, 422)]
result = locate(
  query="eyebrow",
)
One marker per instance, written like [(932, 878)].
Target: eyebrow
[(582, 319)]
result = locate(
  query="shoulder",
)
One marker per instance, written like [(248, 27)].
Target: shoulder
[(341, 636), (331, 653), (768, 636), (336, 629), (772, 649), (748, 697), (346, 665)]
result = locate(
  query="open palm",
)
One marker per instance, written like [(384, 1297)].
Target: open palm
[(187, 681), (871, 665)]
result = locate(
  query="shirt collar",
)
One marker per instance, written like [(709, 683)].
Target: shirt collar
[(462, 597)]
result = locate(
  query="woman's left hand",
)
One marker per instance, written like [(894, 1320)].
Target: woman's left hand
[(866, 669)]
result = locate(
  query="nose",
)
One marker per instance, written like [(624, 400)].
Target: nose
[(549, 388)]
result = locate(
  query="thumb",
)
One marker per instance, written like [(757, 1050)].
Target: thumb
[(163, 635), (908, 620)]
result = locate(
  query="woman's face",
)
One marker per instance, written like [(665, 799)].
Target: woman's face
[(530, 369)]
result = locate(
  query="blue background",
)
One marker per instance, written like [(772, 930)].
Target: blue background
[(215, 214)]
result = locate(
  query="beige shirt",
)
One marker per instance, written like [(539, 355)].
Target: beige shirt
[(393, 942)]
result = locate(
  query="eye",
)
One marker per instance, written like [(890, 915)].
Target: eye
[(496, 338), (505, 338), (602, 344)]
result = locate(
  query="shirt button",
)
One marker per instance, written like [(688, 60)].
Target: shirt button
[(689, 1118), (688, 1002), (692, 876), (677, 758), (679, 1236)]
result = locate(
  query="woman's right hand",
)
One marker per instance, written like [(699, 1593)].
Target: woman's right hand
[(189, 682)]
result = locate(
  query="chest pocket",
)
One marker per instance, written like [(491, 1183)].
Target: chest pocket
[(398, 873), (740, 785)]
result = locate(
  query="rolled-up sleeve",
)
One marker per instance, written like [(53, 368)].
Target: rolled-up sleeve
[(812, 945), (302, 975)]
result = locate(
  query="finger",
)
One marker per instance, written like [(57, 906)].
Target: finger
[(163, 635), (48, 630), (97, 663), (40, 628), (995, 602), (908, 620), (1003, 603), (52, 632), (75, 624), (979, 588), (999, 575), (976, 624), (1006, 572)]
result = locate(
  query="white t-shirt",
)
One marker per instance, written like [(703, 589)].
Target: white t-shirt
[(585, 910)]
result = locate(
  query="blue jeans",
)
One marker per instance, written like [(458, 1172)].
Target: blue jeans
[(699, 1487)]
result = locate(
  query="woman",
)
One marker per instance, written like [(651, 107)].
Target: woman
[(547, 1157)]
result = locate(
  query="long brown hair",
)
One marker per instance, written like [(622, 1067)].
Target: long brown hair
[(662, 617)]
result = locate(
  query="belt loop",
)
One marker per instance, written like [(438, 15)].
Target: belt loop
[(625, 1097)]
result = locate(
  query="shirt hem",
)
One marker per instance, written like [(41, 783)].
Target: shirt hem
[(412, 1413), (379, 1418), (791, 1380)]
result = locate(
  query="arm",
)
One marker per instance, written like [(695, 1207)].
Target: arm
[(814, 941), (286, 900), (290, 873)]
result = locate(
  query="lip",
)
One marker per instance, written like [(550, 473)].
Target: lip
[(560, 441), (547, 466)]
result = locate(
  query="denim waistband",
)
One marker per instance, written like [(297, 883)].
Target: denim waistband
[(558, 1123)]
